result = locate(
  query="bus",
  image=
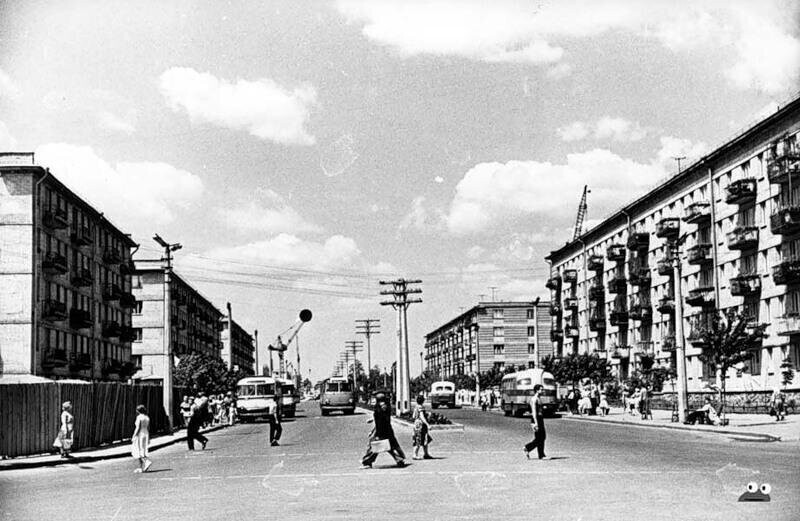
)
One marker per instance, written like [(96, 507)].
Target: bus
[(289, 398), (443, 393), (516, 391), (257, 397), (337, 395)]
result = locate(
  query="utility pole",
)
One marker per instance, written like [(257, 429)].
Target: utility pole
[(167, 385), (400, 301), (368, 327), (257, 369), (355, 346)]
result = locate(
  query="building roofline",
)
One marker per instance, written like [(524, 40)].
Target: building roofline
[(488, 305), (154, 267)]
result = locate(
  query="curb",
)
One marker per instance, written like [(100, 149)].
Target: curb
[(753, 436), (87, 458)]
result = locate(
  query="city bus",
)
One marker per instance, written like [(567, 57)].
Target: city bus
[(289, 398), (443, 393), (257, 397), (516, 391), (337, 395)]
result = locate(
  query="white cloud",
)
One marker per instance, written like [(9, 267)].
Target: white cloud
[(439, 179), (574, 131), (111, 121), (271, 214), (477, 278), (134, 195), (760, 41), (617, 129), (672, 147), (262, 107), (7, 87), (491, 193), (7, 141)]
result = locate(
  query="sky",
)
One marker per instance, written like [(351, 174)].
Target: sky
[(303, 151)]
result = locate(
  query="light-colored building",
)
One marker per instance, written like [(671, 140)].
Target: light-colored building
[(65, 281), (194, 321), (238, 349), (491, 334), (736, 216)]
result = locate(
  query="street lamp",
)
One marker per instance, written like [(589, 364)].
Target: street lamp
[(168, 362), (680, 348)]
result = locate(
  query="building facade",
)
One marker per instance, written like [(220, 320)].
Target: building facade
[(65, 281), (731, 224), (238, 349), (491, 334), (194, 322)]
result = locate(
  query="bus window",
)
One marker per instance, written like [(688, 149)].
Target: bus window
[(524, 381), (548, 381), (255, 390)]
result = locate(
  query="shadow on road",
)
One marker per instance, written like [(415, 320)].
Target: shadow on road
[(157, 470)]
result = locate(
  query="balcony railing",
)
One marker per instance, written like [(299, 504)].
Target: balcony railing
[(555, 310), (555, 336), (695, 336), (571, 303), (82, 278), (668, 228), (788, 325), (571, 332), (111, 366), (127, 334), (641, 313), (786, 220), (553, 283), (786, 272), (668, 343), (701, 297), (616, 253), (570, 276), (639, 275), (638, 241), (783, 161), (645, 347), (698, 212), (80, 361), (127, 300), (597, 324), (595, 263), (127, 268), (617, 284), (80, 319), (111, 329), (745, 284), (54, 264), (619, 317), (664, 266), (666, 305), (56, 219), (596, 292), (741, 191), (618, 352), (111, 292), (54, 358), (54, 311), (112, 256), (699, 254), (743, 238)]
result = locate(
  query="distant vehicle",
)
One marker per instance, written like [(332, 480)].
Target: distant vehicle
[(516, 391), (257, 397), (443, 393), (289, 398), (337, 395)]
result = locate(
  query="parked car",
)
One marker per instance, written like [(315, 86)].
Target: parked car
[(443, 393)]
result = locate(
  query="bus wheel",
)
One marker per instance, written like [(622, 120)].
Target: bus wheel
[(324, 412), (518, 413), (434, 406), (507, 412)]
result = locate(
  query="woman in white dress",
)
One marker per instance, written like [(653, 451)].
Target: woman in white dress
[(66, 434), (141, 439)]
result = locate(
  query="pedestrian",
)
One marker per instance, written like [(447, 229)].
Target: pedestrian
[(644, 403), (186, 409), (66, 433), (421, 437), (275, 427), (537, 423), (141, 439), (484, 401), (382, 416), (778, 402), (594, 396), (195, 422), (604, 408), (584, 405)]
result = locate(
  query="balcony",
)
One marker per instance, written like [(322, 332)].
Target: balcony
[(639, 276), (666, 305), (641, 313), (596, 292), (741, 191), (786, 220), (127, 334), (112, 256), (54, 358), (668, 344), (697, 213), (571, 331), (638, 241), (664, 266), (82, 236), (701, 297), (788, 325), (80, 361), (595, 263), (699, 254), (645, 347), (54, 311), (56, 219), (597, 324), (553, 283), (745, 284), (619, 318), (127, 300), (668, 228), (111, 367), (786, 272), (127, 268), (555, 310), (111, 329), (743, 238), (616, 253), (570, 276), (111, 292), (783, 161), (54, 264), (696, 328), (571, 304), (80, 319), (556, 336), (617, 284), (82, 278)]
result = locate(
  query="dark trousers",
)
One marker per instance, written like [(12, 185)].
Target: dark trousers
[(538, 439), (395, 451), (275, 429), (193, 433)]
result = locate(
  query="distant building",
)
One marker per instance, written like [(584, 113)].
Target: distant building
[(237, 349), (491, 334), (736, 212), (65, 281), (194, 321)]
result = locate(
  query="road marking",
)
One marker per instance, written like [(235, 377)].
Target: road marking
[(116, 513)]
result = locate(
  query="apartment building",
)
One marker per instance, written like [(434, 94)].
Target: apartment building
[(735, 218), (238, 349), (194, 321), (65, 281), (491, 334)]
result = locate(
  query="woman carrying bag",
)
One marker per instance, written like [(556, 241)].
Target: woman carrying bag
[(66, 434), (382, 438)]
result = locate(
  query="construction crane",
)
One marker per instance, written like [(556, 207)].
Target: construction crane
[(581, 214), (280, 346)]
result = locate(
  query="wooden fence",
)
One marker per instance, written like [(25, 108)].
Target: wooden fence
[(104, 413)]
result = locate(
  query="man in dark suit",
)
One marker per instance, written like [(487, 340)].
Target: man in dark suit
[(537, 423)]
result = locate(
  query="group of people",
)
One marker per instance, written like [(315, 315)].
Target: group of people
[(220, 409), (382, 438), (637, 401), (588, 399)]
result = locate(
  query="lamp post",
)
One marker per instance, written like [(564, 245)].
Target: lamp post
[(168, 357), (680, 348)]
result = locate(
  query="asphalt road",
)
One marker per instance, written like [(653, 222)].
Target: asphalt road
[(596, 471)]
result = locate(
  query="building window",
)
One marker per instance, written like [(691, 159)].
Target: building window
[(529, 314), (531, 365), (136, 281), (499, 365), (753, 366), (498, 349), (499, 331), (531, 331), (137, 308), (531, 349), (138, 332), (497, 313)]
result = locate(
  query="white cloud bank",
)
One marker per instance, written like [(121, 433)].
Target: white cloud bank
[(261, 107), (269, 214), (616, 129), (760, 38)]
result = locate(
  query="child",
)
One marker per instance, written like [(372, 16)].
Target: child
[(141, 439), (604, 408), (421, 437)]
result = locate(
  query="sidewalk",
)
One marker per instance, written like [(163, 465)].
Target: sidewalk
[(117, 450), (753, 427)]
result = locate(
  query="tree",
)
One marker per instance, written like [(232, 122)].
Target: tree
[(787, 371), (574, 367), (199, 372), (422, 383), (728, 340), (651, 375)]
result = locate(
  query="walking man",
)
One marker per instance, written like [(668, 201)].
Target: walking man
[(537, 422), (193, 429), (275, 428)]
